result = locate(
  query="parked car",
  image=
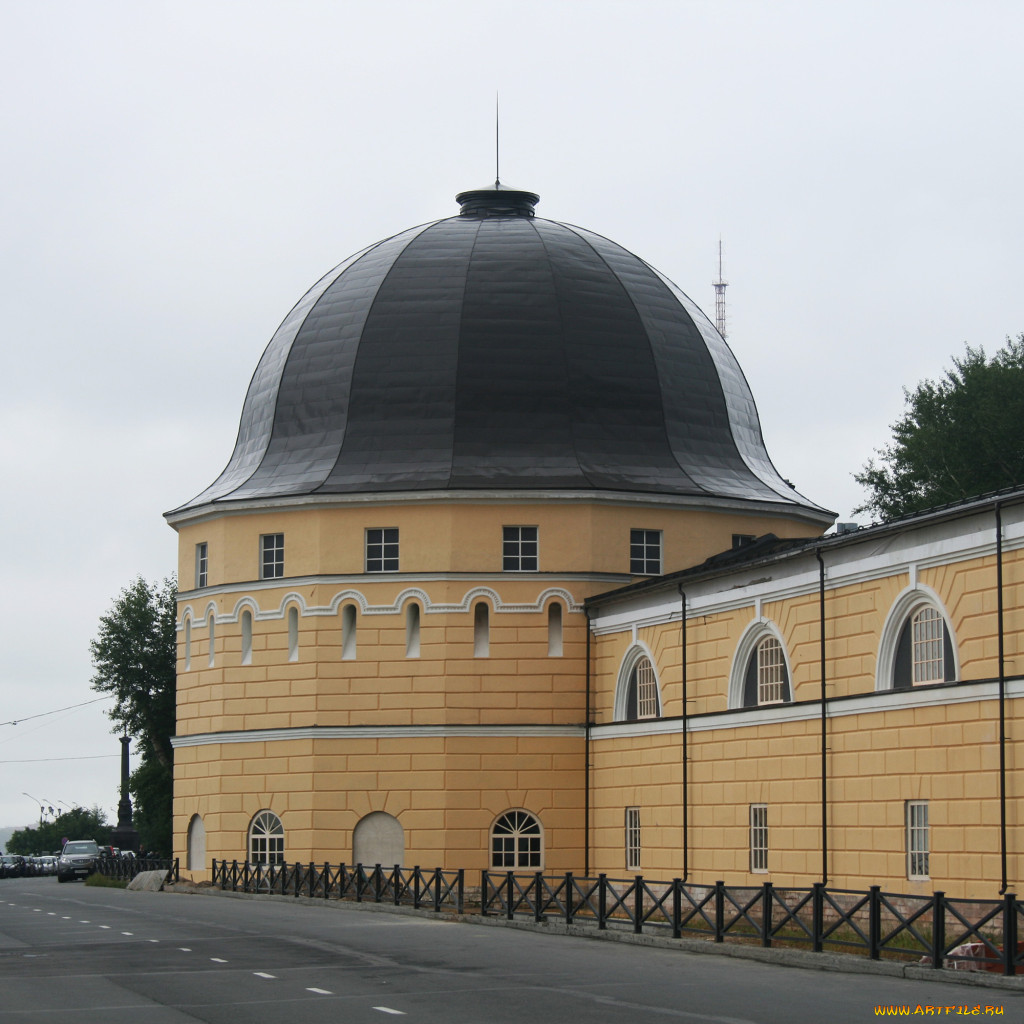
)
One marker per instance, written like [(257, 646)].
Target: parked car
[(12, 866), (78, 859)]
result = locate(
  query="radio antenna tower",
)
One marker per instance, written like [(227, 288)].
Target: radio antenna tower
[(720, 285)]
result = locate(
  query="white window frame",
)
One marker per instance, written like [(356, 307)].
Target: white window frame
[(771, 671), (645, 552), (271, 556), (517, 842), (918, 840), (202, 564), (633, 839), (266, 839), (758, 838), (382, 549), (516, 545)]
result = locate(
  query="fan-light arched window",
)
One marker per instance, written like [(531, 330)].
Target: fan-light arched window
[(266, 839), (516, 842), (760, 671), (924, 650), (637, 695)]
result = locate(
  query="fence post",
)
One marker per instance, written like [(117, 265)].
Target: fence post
[(602, 902), (538, 908), (377, 889), (938, 929), (677, 908), (638, 904), (875, 922), (508, 895), (461, 891), (818, 915), (483, 893), (1010, 933), (437, 890), (719, 911), (767, 902), (568, 898), (396, 882)]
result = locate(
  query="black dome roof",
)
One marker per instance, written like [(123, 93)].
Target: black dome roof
[(497, 350)]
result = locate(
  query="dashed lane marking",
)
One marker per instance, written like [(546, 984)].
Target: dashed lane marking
[(263, 974), (127, 933), (387, 1009), (217, 960), (105, 927), (320, 991)]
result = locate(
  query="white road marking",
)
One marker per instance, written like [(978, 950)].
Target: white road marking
[(37, 910), (185, 949), (51, 913), (387, 1009), (105, 927), (320, 991), (263, 974), (152, 940), (66, 918), (217, 960), (127, 933)]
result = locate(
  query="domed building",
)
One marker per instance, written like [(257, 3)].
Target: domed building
[(454, 439)]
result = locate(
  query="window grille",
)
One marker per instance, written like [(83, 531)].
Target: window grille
[(771, 672), (519, 549), (917, 839), (202, 564), (516, 842), (382, 550), (758, 837), (266, 839), (271, 556), (929, 664), (646, 690), (632, 838), (645, 552)]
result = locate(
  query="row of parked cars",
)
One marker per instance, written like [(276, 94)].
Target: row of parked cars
[(13, 865), (78, 859)]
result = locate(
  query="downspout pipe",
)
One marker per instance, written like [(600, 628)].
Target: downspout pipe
[(1002, 694), (824, 720), (686, 731), (586, 762)]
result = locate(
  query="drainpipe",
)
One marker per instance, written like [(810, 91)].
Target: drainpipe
[(686, 729), (586, 764), (824, 722), (1002, 694)]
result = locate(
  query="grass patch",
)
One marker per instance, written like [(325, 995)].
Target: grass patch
[(99, 881)]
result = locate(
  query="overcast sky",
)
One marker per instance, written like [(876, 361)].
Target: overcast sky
[(175, 175)]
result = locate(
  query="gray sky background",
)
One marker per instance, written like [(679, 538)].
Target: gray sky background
[(175, 175)]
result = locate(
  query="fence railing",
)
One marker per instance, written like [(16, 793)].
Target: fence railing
[(126, 868), (415, 887), (934, 930)]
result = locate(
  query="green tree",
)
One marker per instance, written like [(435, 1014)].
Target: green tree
[(78, 823), (134, 658), (959, 437)]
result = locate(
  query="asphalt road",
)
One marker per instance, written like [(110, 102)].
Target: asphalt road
[(71, 953)]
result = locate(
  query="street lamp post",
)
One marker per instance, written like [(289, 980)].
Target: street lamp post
[(38, 803)]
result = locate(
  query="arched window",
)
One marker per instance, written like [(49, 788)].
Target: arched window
[(266, 839), (412, 631), (554, 630), (516, 842), (293, 634), (637, 696), (348, 633), (247, 637), (481, 631), (916, 647), (924, 651), (196, 860), (760, 671)]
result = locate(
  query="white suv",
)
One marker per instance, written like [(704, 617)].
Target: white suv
[(77, 859)]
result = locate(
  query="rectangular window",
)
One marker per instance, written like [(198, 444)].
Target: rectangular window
[(929, 664), (771, 672), (917, 839), (632, 838), (202, 564), (382, 550), (645, 552), (519, 548), (271, 556), (646, 690), (758, 837)]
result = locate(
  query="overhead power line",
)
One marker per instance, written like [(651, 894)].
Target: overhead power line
[(43, 714)]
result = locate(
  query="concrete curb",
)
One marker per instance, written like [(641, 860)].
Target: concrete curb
[(846, 963)]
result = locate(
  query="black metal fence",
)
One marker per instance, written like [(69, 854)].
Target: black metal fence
[(413, 887), (124, 869), (933, 930)]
